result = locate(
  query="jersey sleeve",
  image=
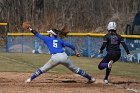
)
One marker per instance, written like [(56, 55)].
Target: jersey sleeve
[(40, 36), (124, 45), (37, 34), (105, 38), (121, 39), (66, 44), (104, 43)]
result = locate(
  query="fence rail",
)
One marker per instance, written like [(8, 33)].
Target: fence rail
[(73, 34), (87, 43)]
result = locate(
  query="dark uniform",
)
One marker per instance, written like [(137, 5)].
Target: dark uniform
[(112, 44)]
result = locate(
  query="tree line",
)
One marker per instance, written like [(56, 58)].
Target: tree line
[(78, 15)]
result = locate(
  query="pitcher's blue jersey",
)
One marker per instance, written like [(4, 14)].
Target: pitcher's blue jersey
[(55, 45)]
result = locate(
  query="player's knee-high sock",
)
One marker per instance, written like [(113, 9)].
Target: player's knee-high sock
[(36, 74), (107, 73), (83, 73)]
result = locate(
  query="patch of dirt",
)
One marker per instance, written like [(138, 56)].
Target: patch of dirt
[(13, 82)]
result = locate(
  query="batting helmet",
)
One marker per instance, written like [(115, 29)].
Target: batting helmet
[(112, 26)]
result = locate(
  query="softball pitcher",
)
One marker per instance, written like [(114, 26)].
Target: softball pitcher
[(58, 56), (112, 43)]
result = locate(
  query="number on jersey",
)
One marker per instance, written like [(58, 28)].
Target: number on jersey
[(55, 43), (114, 39)]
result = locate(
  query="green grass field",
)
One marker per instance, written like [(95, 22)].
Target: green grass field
[(20, 62)]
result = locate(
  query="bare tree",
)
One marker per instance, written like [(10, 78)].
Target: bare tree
[(79, 15)]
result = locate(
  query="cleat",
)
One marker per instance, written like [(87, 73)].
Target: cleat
[(106, 81), (110, 64), (91, 81), (28, 80)]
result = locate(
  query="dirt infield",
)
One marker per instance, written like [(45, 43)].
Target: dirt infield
[(13, 82)]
